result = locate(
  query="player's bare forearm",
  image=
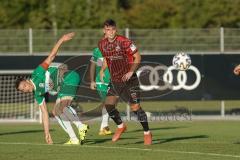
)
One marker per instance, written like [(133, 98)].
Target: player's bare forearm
[(136, 62), (103, 68), (54, 51), (92, 71), (134, 66), (45, 120), (92, 76)]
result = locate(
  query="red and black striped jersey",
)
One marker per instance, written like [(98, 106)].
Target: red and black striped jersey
[(119, 56)]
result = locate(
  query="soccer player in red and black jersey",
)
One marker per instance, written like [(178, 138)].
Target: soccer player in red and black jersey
[(122, 58)]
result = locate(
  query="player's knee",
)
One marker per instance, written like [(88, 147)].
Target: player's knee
[(54, 112), (57, 110), (112, 111), (111, 99), (135, 107), (110, 108)]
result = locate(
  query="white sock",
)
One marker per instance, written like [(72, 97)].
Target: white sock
[(66, 125), (105, 118), (146, 132), (120, 125), (72, 115)]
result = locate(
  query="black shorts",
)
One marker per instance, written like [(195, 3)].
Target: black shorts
[(128, 91)]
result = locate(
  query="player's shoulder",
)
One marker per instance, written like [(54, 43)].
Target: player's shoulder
[(102, 40), (38, 74), (122, 38), (39, 70)]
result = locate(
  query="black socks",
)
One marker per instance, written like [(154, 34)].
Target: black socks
[(113, 113), (142, 118)]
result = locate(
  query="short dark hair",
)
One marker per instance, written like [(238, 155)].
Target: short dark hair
[(109, 22), (18, 81)]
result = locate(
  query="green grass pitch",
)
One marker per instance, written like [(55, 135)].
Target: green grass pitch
[(182, 140)]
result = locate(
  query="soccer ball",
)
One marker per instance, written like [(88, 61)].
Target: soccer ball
[(181, 61)]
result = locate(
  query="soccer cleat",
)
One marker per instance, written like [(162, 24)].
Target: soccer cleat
[(105, 131), (72, 142), (118, 133), (82, 132), (148, 139)]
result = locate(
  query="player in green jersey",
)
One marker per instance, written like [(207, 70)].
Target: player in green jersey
[(56, 79), (101, 87)]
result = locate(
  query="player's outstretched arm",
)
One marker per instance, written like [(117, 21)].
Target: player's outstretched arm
[(92, 75), (45, 120), (236, 70), (54, 51), (136, 62)]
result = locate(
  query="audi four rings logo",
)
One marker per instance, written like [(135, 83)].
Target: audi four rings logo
[(154, 78)]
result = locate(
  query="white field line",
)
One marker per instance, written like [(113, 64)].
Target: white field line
[(129, 148)]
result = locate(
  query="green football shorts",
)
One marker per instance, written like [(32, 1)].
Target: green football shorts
[(68, 87), (102, 90)]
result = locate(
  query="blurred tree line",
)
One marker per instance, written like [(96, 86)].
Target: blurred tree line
[(64, 14)]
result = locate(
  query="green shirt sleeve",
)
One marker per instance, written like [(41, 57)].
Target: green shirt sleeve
[(39, 99), (95, 55), (38, 78), (39, 72)]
